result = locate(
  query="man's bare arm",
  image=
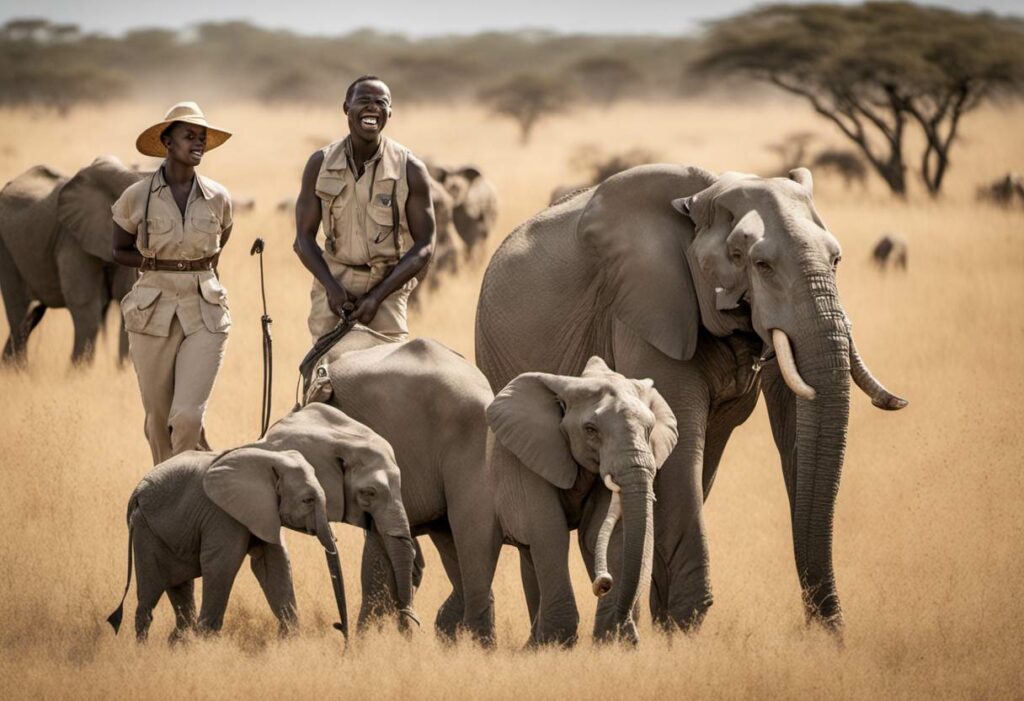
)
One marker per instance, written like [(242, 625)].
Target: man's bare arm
[(419, 213), (307, 223)]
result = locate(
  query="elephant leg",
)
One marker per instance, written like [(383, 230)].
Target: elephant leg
[(721, 422), (478, 543), (22, 316), (273, 571), (220, 560), (558, 618), (149, 581), (680, 583), (83, 284), (183, 600), (380, 593), (450, 613), (530, 589)]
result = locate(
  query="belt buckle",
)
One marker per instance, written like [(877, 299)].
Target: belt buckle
[(181, 265)]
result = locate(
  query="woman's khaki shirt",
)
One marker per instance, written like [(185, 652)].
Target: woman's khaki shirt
[(195, 297)]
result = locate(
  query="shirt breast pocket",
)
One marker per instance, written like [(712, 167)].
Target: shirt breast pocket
[(206, 229)]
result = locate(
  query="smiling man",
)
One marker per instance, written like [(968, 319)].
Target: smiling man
[(373, 199)]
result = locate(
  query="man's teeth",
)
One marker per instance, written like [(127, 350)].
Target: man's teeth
[(370, 121)]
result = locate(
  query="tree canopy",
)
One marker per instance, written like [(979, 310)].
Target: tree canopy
[(876, 70)]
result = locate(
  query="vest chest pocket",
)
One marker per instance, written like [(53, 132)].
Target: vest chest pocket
[(382, 230), (214, 305)]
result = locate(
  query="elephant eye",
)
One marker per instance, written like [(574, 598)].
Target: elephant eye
[(835, 262), (309, 500), (763, 267), (736, 257), (591, 429)]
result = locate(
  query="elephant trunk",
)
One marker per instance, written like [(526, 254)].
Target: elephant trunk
[(394, 530), (637, 494), (323, 526), (602, 578), (823, 355)]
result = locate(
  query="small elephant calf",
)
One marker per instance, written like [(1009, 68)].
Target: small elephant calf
[(199, 514)]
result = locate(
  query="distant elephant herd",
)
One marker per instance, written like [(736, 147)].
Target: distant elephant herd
[(621, 335), (55, 249)]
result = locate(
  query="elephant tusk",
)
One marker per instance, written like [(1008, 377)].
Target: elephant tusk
[(603, 579), (862, 377), (787, 364)]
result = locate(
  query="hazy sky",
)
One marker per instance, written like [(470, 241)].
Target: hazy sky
[(412, 17)]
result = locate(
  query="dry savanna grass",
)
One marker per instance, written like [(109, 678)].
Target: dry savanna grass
[(928, 539)]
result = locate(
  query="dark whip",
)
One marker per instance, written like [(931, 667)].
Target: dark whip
[(268, 345)]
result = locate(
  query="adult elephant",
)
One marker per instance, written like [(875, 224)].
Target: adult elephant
[(430, 404), (716, 288), (474, 203), (56, 251)]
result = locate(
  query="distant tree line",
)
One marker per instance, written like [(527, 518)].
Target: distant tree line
[(41, 63), (876, 71)]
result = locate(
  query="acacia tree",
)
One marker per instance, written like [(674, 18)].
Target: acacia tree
[(604, 79), (526, 98), (877, 70)]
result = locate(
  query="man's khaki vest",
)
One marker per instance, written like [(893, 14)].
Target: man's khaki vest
[(364, 221)]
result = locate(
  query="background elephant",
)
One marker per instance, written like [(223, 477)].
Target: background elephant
[(474, 203), (890, 249), (199, 514), (449, 250), (714, 287), (56, 251), (429, 403), (575, 452)]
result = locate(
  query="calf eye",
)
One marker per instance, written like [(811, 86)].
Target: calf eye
[(763, 267), (591, 430), (309, 500)]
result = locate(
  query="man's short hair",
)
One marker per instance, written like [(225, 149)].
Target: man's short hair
[(357, 81)]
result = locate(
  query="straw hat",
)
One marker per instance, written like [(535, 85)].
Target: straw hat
[(149, 143)]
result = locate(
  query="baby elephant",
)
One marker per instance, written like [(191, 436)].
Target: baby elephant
[(199, 514), (570, 453)]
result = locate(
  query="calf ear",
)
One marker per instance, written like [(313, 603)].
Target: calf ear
[(665, 433), (243, 483), (526, 418)]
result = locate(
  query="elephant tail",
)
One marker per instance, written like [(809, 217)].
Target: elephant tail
[(114, 619)]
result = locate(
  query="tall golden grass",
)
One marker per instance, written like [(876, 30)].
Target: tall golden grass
[(929, 533)]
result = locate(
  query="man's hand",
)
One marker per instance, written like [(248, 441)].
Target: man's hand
[(366, 308), (339, 300)]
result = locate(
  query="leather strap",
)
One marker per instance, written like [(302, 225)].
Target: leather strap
[(181, 266)]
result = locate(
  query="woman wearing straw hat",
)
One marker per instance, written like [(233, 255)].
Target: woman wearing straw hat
[(172, 227)]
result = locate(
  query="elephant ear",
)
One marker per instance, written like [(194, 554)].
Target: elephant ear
[(526, 418), (244, 484), (639, 241), (665, 433), (83, 207)]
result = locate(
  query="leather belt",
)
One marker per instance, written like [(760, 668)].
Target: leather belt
[(176, 265)]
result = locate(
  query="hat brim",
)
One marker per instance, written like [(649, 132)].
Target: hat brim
[(149, 144)]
